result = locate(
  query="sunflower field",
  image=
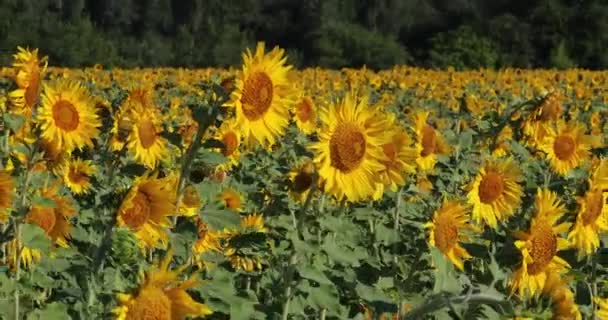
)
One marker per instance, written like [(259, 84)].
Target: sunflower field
[(265, 192)]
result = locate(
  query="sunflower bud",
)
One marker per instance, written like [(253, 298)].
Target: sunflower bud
[(124, 247)]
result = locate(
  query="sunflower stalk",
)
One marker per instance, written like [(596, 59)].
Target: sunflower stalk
[(593, 285)]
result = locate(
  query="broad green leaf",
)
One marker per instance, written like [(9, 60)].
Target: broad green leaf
[(311, 273), (43, 202), (14, 121), (34, 237), (52, 311), (445, 275), (219, 219), (369, 293)]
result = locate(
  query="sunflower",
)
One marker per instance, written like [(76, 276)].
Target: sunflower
[(254, 223), (539, 246), (550, 110), (232, 199), (263, 96), (400, 160), (302, 179), (562, 298), (306, 115), (30, 72), (190, 201), (231, 138), (496, 193), (161, 296), (67, 116), (7, 192), (145, 143), (349, 152), (243, 262), (54, 220), (448, 228), (207, 241), (145, 209), (566, 146), (592, 217), (429, 142), (602, 305), (77, 174)]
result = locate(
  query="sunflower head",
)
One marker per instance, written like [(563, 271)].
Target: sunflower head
[(7, 192), (263, 96), (349, 152), (145, 210), (306, 115), (429, 142), (145, 142), (161, 296), (31, 69), (495, 192), (232, 199), (67, 117), (591, 220), (230, 137), (447, 229), (77, 174), (566, 146)]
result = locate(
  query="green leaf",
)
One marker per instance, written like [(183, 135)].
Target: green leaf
[(34, 237), (209, 157), (43, 202), (14, 121), (312, 273), (219, 219), (369, 293), (465, 140), (445, 276), (52, 311), (323, 296), (342, 254)]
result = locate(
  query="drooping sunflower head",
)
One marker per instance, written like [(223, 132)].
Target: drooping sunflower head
[(599, 177), (539, 247), (162, 296), (302, 179), (263, 96), (7, 192), (306, 115), (591, 220), (495, 192), (562, 298), (145, 143), (30, 72), (190, 201), (566, 146), (230, 136), (400, 159), (254, 223), (67, 116), (145, 210), (232, 199), (447, 229), (77, 174), (349, 152), (429, 142)]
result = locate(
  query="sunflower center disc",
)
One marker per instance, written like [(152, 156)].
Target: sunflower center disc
[(139, 213), (191, 198), (302, 182), (65, 115), (544, 248), (231, 142), (304, 110), (429, 141), (33, 88), (257, 95), (347, 147), (147, 133), (151, 304), (490, 187), (232, 201), (42, 217), (564, 147), (595, 203), (77, 176), (446, 235)]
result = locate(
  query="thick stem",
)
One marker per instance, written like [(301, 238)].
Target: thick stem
[(17, 268), (396, 217), (594, 285)]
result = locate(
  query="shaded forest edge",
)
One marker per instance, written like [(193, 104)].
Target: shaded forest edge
[(463, 34)]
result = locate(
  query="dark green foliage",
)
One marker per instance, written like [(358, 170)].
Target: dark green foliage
[(333, 33)]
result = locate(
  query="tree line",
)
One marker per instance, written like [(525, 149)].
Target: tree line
[(329, 33)]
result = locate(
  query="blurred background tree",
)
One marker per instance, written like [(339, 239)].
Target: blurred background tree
[(331, 33)]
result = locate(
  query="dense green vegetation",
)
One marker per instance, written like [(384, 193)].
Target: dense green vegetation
[(330, 33)]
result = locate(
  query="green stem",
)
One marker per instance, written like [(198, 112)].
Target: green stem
[(396, 217), (594, 284), (440, 301)]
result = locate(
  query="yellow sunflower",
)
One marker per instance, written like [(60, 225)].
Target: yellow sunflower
[(145, 143), (30, 72), (602, 305), (448, 228), (301, 178), (349, 152), (67, 116), (306, 115), (400, 160), (145, 211), (231, 138), (7, 192), (207, 241), (190, 202), (562, 298), (263, 96), (592, 217), (162, 295), (54, 220), (429, 142), (253, 222), (550, 110), (77, 174), (566, 146), (539, 246), (243, 262), (496, 193), (232, 199)]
